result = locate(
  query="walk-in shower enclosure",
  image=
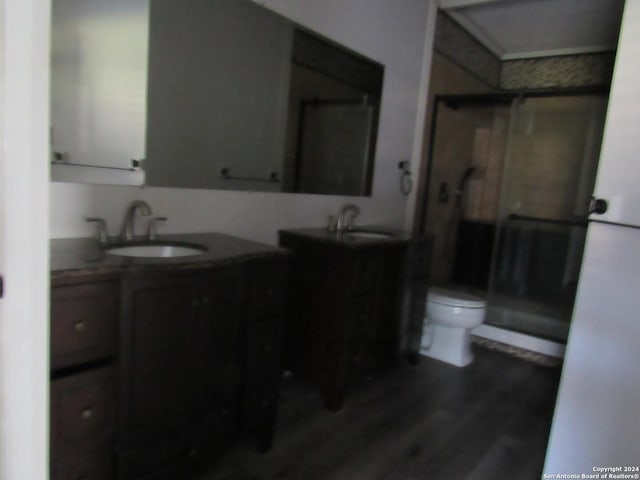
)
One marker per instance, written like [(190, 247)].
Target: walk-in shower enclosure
[(509, 185)]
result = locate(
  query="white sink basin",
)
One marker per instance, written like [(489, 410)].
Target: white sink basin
[(155, 250), (371, 234)]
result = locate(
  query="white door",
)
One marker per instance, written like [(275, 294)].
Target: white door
[(618, 178), (24, 191), (596, 422)]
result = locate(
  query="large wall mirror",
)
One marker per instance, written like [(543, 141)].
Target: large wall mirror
[(210, 94)]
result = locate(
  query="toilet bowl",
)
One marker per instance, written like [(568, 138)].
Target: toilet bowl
[(450, 316)]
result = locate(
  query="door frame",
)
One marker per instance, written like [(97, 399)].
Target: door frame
[(24, 233)]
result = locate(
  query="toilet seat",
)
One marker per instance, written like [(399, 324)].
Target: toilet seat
[(454, 298)]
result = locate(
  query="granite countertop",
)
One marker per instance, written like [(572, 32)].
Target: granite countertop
[(72, 257), (348, 239)]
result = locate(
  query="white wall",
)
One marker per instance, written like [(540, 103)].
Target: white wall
[(388, 31)]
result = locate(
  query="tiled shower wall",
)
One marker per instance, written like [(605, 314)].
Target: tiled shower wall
[(568, 71)]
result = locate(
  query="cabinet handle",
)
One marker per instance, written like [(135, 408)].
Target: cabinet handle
[(87, 413), (80, 326)]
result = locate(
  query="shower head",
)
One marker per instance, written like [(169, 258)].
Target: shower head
[(465, 178), (462, 186)]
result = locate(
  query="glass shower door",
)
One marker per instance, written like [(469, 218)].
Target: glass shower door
[(548, 178)]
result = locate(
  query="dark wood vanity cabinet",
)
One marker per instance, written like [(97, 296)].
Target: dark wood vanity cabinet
[(345, 311), (169, 367)]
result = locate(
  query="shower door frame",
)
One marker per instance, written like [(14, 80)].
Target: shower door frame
[(504, 99), (482, 100)]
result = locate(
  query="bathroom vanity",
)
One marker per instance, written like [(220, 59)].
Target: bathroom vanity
[(158, 364), (356, 304)]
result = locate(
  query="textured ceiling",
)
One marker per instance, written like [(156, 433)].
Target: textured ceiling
[(532, 28)]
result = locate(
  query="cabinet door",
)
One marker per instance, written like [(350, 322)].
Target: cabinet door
[(264, 332), (218, 356), (157, 351), (266, 289), (416, 315), (94, 466), (165, 460), (387, 313), (362, 322)]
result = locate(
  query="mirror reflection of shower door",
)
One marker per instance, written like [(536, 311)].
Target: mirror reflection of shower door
[(333, 147), (548, 179)]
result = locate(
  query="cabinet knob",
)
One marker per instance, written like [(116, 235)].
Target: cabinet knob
[(206, 300), (195, 302), (87, 413), (80, 326), (193, 453)]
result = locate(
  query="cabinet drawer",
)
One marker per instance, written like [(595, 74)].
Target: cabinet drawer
[(83, 323), (96, 466), (82, 412)]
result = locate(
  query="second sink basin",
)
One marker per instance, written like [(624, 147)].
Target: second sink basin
[(156, 250)]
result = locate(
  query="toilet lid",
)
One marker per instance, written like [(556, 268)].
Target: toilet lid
[(455, 298)]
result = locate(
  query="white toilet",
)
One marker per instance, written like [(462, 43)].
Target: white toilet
[(450, 316)]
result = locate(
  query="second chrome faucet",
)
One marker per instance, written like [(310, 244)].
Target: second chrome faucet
[(346, 217)]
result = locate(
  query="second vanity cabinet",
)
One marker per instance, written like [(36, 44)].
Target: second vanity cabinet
[(347, 307), (157, 369)]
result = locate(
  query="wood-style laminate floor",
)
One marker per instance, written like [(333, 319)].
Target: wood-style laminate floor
[(487, 421)]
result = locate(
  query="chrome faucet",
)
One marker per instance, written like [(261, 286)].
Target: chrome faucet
[(346, 216), (128, 225)]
